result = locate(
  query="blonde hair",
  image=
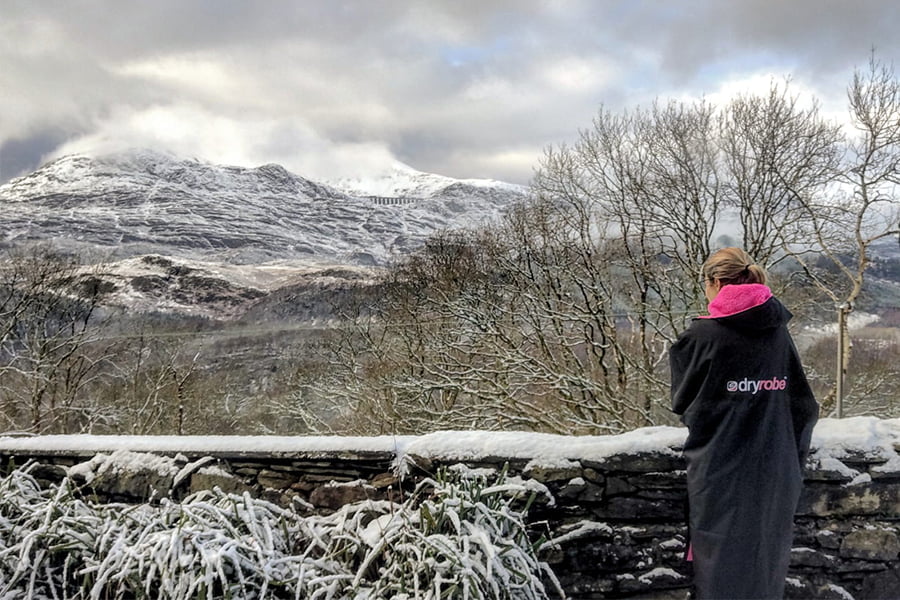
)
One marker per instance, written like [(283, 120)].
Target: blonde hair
[(733, 266)]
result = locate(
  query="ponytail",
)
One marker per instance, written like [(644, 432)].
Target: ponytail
[(733, 266)]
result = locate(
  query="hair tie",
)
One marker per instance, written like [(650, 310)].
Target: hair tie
[(747, 268)]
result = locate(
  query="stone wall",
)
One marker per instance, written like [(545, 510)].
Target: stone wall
[(617, 523)]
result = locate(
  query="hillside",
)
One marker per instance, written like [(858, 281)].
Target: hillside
[(186, 237), (142, 202)]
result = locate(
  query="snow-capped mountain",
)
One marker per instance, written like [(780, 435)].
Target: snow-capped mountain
[(402, 181), (145, 202)]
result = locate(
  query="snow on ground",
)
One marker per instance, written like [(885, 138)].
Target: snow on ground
[(809, 335), (856, 320), (832, 439), (545, 449), (661, 573)]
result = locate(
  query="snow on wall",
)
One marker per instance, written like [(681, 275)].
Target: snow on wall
[(832, 439)]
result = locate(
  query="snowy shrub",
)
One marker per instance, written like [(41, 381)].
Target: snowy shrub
[(458, 536), (45, 535)]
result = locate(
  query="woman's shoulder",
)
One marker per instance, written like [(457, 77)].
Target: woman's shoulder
[(701, 327), (700, 332)]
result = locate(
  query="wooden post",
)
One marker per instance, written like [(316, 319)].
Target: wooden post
[(841, 344)]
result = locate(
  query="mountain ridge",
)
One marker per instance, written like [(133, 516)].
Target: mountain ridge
[(146, 202)]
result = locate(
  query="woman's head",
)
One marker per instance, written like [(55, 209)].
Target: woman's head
[(730, 266)]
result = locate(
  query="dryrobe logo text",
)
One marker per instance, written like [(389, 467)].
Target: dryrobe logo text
[(755, 385)]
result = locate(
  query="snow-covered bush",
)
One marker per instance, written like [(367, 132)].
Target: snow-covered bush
[(458, 536), (464, 539)]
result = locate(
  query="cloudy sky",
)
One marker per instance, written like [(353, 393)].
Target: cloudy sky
[(330, 88)]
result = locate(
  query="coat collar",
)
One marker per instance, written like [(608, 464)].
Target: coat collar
[(733, 299)]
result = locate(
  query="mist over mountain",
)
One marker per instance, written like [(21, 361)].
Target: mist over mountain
[(145, 202)]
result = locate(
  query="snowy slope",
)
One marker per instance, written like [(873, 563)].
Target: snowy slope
[(153, 283), (143, 202), (402, 181)]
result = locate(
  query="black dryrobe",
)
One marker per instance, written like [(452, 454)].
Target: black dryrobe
[(739, 387)]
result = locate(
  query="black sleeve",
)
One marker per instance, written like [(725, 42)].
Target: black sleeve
[(688, 371)]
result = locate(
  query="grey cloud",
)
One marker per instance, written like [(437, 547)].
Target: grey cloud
[(831, 31), (402, 76), (21, 156), (812, 37)]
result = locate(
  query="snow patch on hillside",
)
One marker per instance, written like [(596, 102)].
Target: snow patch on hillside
[(855, 321), (402, 181)]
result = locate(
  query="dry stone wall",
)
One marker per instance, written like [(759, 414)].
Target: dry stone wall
[(615, 525)]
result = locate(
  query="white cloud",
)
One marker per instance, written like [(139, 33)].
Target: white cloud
[(831, 102), (196, 73), (575, 74), (190, 130), (505, 164)]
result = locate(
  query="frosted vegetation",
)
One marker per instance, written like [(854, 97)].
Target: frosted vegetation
[(459, 535)]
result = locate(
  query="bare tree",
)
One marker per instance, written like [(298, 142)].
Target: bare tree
[(515, 328), (148, 390), (862, 209), (417, 360), (48, 341), (776, 154)]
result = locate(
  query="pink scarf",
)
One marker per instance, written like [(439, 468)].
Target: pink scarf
[(733, 299)]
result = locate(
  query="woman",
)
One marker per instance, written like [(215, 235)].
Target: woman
[(738, 384)]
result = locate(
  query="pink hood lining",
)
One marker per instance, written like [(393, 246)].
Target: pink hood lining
[(733, 299)]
